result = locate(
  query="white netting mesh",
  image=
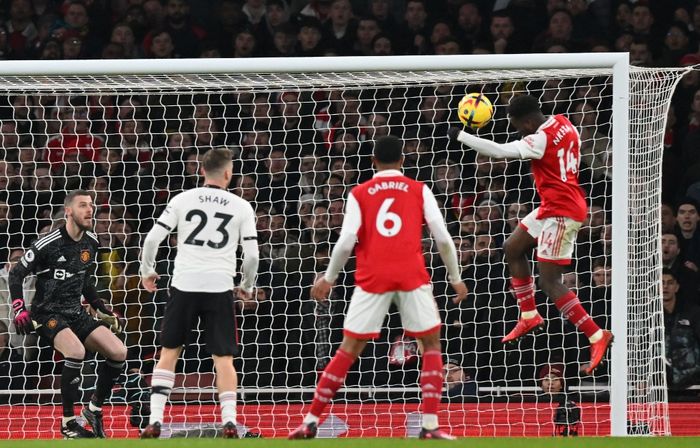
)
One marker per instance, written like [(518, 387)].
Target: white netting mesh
[(301, 140)]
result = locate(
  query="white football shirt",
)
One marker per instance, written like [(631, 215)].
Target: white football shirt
[(210, 223)]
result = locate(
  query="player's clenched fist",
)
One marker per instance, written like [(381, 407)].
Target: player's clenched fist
[(321, 289)]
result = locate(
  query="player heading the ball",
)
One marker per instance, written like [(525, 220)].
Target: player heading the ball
[(552, 144), (384, 217), (210, 222)]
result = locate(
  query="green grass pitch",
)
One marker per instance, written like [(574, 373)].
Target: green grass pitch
[(544, 442)]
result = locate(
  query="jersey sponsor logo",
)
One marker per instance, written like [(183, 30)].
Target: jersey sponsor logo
[(51, 324), (61, 259), (85, 256), (29, 256), (61, 274), (390, 185)]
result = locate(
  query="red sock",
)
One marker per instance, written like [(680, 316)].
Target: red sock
[(570, 307), (332, 378), (431, 381), (525, 293)]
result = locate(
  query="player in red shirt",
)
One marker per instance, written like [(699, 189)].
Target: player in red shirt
[(552, 144), (385, 216)]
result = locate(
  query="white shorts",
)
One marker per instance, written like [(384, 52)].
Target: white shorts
[(556, 236), (417, 308)]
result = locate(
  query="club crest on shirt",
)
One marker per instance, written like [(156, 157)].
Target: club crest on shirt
[(85, 256), (51, 324)]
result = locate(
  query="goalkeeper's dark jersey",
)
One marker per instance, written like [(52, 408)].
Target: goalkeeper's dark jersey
[(64, 269)]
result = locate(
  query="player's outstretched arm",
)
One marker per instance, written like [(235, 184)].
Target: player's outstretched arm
[(342, 250), (446, 247), (530, 147)]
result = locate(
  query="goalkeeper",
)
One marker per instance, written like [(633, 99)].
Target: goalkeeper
[(64, 262)]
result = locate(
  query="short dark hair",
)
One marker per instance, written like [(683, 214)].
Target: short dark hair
[(216, 159), (523, 105), (70, 196), (667, 271), (388, 149), (688, 201)]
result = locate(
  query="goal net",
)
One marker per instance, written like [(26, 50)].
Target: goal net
[(301, 141)]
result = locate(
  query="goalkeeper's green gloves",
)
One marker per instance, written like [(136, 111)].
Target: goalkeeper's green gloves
[(110, 319)]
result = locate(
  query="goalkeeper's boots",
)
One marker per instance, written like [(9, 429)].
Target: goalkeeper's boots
[(304, 431), (151, 431), (74, 430), (229, 431), (599, 349), (436, 433), (94, 418), (523, 327)]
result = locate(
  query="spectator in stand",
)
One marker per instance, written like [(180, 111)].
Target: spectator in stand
[(340, 29), (676, 45), (21, 31), (309, 37), (595, 147), (75, 136), (413, 32), (382, 45), (318, 9), (668, 217), (515, 212), (686, 272), (502, 39), (278, 185), (186, 37), (440, 30), (643, 24), (640, 53), (367, 30), (244, 44), (469, 23), (682, 335), (459, 385), (160, 46), (276, 15), (687, 223), (284, 41), (560, 31), (123, 35)]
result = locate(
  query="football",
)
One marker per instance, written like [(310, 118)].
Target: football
[(475, 110)]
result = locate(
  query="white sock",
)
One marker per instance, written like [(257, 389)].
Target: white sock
[(93, 407), (310, 418), (162, 383), (528, 314), (228, 407), (67, 419), (430, 421), (596, 336)]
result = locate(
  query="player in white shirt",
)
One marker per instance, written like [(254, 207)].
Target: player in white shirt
[(210, 222)]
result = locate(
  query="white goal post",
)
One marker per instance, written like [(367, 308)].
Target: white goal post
[(633, 104)]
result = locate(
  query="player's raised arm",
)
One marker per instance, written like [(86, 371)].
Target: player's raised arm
[(524, 115), (446, 247), (342, 250), (166, 223), (251, 252)]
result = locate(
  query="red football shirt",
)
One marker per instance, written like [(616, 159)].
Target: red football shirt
[(389, 252), (556, 173)]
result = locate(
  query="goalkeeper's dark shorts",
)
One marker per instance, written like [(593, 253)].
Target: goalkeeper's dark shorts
[(82, 324), (217, 311)]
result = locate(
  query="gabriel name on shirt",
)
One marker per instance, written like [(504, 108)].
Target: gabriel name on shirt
[(388, 185)]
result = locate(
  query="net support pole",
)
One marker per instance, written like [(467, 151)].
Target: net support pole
[(620, 260)]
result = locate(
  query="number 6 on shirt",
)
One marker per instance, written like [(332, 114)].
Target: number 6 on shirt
[(384, 216)]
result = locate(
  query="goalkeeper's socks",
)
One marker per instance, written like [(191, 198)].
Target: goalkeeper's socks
[(67, 419), (524, 289), (70, 380), (227, 401), (107, 374), (570, 308), (332, 378), (431, 383), (93, 407), (162, 383)]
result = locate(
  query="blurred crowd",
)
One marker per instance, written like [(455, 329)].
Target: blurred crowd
[(299, 152)]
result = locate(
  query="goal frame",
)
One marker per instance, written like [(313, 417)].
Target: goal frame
[(617, 62)]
